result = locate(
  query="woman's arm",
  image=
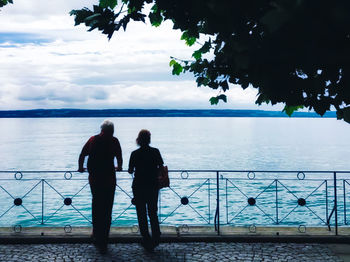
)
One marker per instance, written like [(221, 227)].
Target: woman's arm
[(131, 168)]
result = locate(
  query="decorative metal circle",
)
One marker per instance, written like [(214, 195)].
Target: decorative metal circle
[(17, 201), (135, 229), (301, 175), (251, 201), (185, 228), (184, 174), (184, 200), (17, 228), (18, 175), (68, 175), (251, 175), (67, 201), (67, 228), (252, 229), (302, 229), (301, 202)]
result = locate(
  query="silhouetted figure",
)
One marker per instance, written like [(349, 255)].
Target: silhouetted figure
[(102, 149), (145, 162)]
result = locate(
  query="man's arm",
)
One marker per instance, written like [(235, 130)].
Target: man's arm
[(119, 156), (83, 154)]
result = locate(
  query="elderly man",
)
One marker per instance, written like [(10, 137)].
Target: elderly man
[(102, 149)]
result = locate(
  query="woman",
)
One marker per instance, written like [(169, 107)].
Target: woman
[(145, 162)]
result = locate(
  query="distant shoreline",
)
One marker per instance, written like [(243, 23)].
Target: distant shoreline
[(51, 113)]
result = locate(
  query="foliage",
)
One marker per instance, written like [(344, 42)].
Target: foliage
[(5, 2), (294, 52)]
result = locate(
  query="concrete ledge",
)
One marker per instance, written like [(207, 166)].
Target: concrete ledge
[(180, 239), (177, 234)]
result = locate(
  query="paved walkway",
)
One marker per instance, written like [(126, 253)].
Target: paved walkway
[(171, 252)]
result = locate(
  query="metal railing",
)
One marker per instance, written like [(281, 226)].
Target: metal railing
[(211, 198)]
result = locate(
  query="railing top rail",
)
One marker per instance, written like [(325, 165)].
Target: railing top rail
[(192, 170)]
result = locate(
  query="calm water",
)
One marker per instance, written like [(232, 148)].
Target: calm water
[(185, 143)]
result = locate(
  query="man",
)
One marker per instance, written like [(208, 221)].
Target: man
[(102, 149)]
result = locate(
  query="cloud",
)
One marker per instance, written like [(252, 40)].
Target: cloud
[(49, 63)]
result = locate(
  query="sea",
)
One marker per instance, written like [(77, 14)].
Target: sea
[(231, 167)]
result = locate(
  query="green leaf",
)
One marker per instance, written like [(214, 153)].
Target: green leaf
[(223, 98), (172, 62), (91, 17), (108, 3), (262, 99), (5, 2), (224, 85), (214, 100), (340, 114), (202, 81), (346, 114), (81, 15), (291, 109), (177, 68), (206, 47), (155, 16), (197, 54), (190, 40), (275, 19)]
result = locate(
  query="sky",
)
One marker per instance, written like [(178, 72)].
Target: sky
[(47, 62)]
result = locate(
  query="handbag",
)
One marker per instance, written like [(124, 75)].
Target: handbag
[(163, 177)]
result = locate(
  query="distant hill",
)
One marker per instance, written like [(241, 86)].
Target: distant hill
[(151, 113)]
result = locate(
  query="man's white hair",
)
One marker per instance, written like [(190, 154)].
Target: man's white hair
[(107, 124)]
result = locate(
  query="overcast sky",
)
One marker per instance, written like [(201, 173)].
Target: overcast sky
[(46, 62)]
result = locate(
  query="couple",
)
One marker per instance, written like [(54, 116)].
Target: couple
[(144, 162)]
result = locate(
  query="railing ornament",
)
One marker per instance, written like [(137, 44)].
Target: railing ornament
[(67, 201), (251, 175), (68, 175), (185, 228), (17, 228), (302, 229), (184, 174), (184, 201), (134, 229), (251, 201), (301, 202), (17, 201), (252, 228), (67, 228), (301, 175), (18, 175)]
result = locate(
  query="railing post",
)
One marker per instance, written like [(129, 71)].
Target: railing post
[(276, 202), (218, 201), (42, 201), (335, 203), (344, 194)]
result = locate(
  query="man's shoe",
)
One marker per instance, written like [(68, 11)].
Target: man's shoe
[(148, 246), (103, 249)]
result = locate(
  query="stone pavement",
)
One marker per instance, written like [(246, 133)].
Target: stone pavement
[(170, 252)]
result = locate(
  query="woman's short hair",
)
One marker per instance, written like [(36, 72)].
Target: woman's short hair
[(144, 138), (107, 126)]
